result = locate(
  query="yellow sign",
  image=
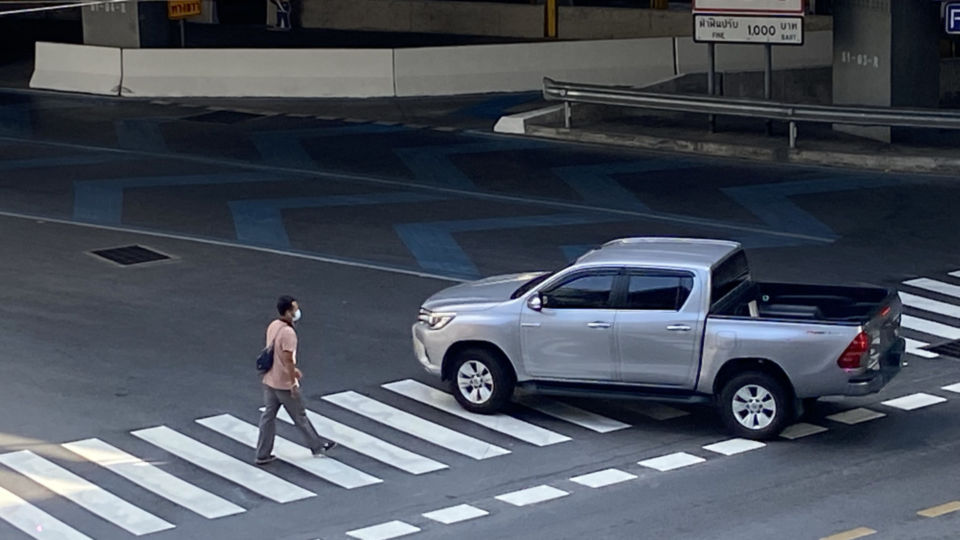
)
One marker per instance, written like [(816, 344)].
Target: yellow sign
[(181, 9)]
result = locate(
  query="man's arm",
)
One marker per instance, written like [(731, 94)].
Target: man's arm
[(286, 360)]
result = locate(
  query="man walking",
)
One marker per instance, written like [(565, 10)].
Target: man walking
[(281, 386)]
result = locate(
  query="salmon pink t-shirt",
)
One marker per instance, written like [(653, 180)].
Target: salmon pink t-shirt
[(279, 377)]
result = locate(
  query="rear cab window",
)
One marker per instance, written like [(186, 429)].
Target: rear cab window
[(657, 290), (727, 276)]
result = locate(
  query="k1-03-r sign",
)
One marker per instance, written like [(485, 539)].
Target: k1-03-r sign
[(748, 29)]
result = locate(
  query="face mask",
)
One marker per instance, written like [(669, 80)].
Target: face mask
[(296, 316)]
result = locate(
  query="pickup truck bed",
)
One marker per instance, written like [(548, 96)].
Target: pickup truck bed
[(785, 301)]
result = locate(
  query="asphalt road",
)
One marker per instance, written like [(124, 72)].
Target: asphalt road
[(362, 221)]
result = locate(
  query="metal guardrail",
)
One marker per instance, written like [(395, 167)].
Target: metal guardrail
[(793, 113)]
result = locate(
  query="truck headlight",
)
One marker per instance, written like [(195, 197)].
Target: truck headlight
[(435, 320)]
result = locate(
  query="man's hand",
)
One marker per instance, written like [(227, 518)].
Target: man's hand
[(297, 374)]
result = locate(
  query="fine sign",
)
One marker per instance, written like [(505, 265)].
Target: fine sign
[(748, 29)]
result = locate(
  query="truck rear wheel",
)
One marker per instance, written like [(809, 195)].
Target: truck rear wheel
[(755, 405), (480, 382)]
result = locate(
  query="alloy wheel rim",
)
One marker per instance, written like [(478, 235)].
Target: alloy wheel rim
[(754, 407), (475, 382)]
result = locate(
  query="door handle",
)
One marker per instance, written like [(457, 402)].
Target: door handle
[(599, 324), (679, 328)]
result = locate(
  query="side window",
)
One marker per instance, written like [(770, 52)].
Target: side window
[(658, 292), (583, 292)]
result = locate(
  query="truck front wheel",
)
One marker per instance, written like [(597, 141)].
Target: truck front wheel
[(755, 405), (480, 381)]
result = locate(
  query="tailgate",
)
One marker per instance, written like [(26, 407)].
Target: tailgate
[(884, 329)]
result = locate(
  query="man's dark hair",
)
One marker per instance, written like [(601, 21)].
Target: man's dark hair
[(284, 303)]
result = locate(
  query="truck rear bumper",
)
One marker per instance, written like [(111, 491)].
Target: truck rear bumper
[(873, 382)]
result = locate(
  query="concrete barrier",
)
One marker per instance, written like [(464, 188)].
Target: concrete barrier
[(817, 51), (77, 68), (258, 73), (522, 66)]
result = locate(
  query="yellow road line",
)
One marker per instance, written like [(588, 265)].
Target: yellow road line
[(938, 511), (859, 532)]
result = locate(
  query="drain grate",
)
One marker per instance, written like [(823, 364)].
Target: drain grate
[(130, 255), (224, 117), (950, 348)]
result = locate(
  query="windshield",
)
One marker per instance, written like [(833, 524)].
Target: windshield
[(525, 288)]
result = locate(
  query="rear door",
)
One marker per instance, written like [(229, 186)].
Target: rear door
[(659, 323)]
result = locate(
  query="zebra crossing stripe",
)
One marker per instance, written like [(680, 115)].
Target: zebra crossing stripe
[(327, 468), (915, 347), (90, 496), (502, 423), (384, 531), (929, 327), (153, 479), (575, 415), (928, 304), (415, 426), (933, 285), (35, 522), (369, 445), (215, 461)]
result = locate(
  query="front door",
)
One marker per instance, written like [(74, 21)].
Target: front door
[(571, 336), (657, 329)]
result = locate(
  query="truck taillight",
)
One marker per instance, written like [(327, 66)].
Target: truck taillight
[(851, 358)]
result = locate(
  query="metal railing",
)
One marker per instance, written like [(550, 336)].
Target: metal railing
[(792, 113)]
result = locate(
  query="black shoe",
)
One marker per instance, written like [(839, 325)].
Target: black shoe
[(322, 451), (266, 460)]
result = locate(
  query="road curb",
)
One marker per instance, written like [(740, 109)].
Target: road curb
[(879, 162)]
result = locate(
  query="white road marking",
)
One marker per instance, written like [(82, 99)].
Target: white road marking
[(928, 304), (575, 415), (914, 347), (384, 531), (35, 522), (930, 327), (670, 462), (955, 388), (249, 476), (914, 401), (603, 478), (856, 416), (154, 479), (367, 445), (502, 423), (534, 495), (456, 514), (327, 468), (656, 411), (415, 426), (933, 285), (734, 446), (800, 430), (86, 494), (955, 274)]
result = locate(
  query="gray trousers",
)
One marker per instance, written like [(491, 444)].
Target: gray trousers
[(272, 399)]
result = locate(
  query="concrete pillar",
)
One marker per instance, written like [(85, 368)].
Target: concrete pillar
[(885, 52), (127, 24)]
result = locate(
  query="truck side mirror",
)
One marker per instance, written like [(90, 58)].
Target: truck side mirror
[(535, 302)]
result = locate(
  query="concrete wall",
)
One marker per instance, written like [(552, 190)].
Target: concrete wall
[(257, 72), (77, 68), (505, 20), (427, 16), (516, 67)]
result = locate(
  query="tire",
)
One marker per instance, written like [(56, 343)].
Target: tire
[(480, 382), (755, 405)]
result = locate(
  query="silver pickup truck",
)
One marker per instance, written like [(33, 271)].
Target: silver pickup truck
[(665, 319)]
